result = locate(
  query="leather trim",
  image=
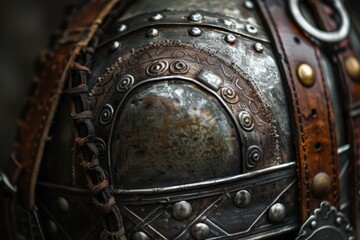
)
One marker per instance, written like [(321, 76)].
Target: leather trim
[(313, 118), (351, 92), (34, 128)]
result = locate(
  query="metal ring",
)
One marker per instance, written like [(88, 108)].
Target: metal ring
[(331, 37)]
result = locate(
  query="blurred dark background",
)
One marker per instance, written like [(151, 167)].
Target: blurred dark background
[(25, 27)]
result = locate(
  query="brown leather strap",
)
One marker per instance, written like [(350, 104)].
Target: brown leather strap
[(34, 128), (23, 167), (342, 51), (313, 120)]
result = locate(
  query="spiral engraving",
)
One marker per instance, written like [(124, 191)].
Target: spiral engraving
[(157, 68), (229, 95), (101, 145), (106, 114), (253, 156), (125, 83), (179, 67), (246, 121)]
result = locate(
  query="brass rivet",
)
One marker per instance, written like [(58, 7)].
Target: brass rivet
[(352, 65), (306, 75), (321, 185)]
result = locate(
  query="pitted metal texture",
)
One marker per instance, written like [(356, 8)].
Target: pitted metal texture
[(188, 106)]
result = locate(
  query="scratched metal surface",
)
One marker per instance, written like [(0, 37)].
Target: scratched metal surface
[(168, 135)]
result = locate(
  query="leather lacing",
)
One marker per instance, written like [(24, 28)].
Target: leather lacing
[(96, 176)]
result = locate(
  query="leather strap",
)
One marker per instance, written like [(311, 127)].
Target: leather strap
[(313, 120), (34, 128), (351, 92)]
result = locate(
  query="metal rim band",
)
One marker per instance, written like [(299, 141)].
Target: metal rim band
[(330, 37)]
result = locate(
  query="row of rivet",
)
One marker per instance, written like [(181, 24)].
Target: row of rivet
[(195, 32), (306, 73), (182, 210)]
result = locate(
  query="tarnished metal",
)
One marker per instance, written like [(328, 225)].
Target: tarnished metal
[(242, 198), (181, 210), (321, 185), (331, 37), (200, 231), (277, 213), (179, 119), (326, 221)]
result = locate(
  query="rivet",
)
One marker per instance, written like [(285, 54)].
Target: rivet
[(200, 231), (122, 28), (349, 228), (321, 185), (140, 236), (352, 65), (156, 17), (115, 46), (277, 213), (249, 4), (63, 204), (242, 198), (313, 224), (153, 32), (52, 229), (230, 38), (251, 29), (339, 220), (228, 22), (306, 75), (195, 17), (195, 31), (181, 210), (259, 47)]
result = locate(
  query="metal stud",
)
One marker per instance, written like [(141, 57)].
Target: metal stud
[(242, 198), (115, 46), (200, 231), (349, 228), (277, 213), (306, 75), (63, 204), (313, 224), (181, 210), (153, 32), (339, 220), (259, 47), (230, 38), (352, 65), (156, 17), (195, 17), (195, 31), (251, 29), (321, 185), (249, 4), (122, 28), (140, 236), (52, 229)]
